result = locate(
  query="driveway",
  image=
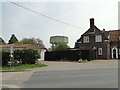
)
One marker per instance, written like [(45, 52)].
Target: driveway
[(62, 73)]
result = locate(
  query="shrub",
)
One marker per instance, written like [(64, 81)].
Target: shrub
[(5, 57), (27, 56)]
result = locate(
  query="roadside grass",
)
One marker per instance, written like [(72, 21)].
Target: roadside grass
[(22, 66)]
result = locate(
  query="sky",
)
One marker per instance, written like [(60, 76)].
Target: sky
[(26, 24)]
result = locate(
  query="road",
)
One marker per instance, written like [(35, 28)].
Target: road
[(96, 74), (94, 78)]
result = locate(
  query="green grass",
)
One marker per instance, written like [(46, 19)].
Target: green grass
[(23, 66)]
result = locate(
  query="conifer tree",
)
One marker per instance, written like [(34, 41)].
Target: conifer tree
[(2, 41), (13, 39)]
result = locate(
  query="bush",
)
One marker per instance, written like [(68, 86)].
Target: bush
[(27, 56), (60, 47), (5, 57)]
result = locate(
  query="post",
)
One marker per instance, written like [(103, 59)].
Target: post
[(11, 54)]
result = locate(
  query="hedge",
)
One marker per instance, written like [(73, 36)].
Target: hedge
[(5, 57), (27, 56)]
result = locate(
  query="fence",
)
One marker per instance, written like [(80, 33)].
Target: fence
[(71, 55)]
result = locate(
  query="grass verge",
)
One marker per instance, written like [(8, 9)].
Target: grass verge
[(22, 66)]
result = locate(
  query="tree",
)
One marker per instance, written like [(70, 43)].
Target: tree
[(13, 39), (61, 47), (33, 41), (2, 41), (28, 41)]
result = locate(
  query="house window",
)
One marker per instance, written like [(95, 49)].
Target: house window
[(99, 51), (98, 38), (86, 39)]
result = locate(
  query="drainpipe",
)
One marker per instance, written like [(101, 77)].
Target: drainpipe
[(119, 47), (94, 53), (108, 48)]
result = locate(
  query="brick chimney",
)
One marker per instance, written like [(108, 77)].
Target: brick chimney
[(91, 22)]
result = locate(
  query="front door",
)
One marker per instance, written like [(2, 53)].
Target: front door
[(114, 53)]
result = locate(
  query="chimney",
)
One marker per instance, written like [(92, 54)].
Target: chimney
[(91, 22), (103, 29)]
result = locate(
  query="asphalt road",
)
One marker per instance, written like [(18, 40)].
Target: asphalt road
[(94, 74), (89, 78)]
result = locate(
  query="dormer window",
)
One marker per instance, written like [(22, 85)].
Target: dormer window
[(86, 39), (98, 38)]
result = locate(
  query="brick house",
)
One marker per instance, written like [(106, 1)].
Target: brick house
[(101, 44)]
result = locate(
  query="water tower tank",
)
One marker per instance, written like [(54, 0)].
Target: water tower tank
[(58, 39)]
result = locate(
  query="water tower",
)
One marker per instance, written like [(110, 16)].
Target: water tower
[(55, 40)]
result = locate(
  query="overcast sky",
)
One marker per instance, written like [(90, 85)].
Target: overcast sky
[(25, 24)]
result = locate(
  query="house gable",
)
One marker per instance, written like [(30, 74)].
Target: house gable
[(92, 32)]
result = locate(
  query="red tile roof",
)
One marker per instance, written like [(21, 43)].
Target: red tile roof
[(14, 46), (114, 34), (28, 46)]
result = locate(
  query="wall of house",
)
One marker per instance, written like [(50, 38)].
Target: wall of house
[(42, 54), (89, 46), (104, 50)]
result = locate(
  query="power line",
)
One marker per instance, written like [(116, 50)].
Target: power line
[(42, 14)]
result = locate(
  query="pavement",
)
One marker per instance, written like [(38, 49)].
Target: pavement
[(17, 79)]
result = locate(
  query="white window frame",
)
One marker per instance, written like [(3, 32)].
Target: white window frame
[(86, 39), (100, 51), (98, 38), (119, 38), (119, 51)]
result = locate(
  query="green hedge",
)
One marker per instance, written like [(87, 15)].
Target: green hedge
[(27, 56), (5, 57)]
